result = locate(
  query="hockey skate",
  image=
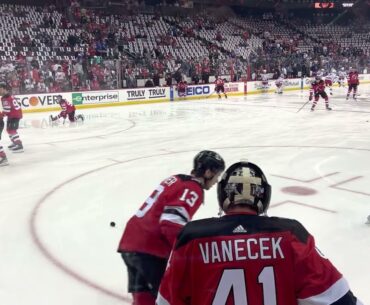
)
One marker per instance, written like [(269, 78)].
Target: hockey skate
[(3, 161), (328, 108), (53, 120), (18, 148), (11, 146)]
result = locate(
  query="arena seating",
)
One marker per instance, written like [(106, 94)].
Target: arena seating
[(93, 50)]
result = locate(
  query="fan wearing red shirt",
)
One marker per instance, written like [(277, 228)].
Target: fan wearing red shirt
[(13, 112), (246, 257), (68, 110), (149, 235)]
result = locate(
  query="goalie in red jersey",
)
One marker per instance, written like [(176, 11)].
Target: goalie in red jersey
[(246, 257), (68, 110), (149, 235)]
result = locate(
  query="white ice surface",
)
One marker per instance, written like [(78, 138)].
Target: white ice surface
[(59, 196)]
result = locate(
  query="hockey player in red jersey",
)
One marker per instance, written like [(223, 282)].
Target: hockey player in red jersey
[(317, 90), (181, 88), (149, 235), (246, 257), (68, 110), (220, 86), (3, 158), (353, 83), (13, 112)]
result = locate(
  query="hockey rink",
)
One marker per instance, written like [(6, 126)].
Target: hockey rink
[(59, 196)]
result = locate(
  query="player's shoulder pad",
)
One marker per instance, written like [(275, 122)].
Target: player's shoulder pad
[(223, 226), (291, 225), (184, 178), (197, 229)]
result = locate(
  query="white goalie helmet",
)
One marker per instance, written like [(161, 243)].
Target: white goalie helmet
[(244, 183)]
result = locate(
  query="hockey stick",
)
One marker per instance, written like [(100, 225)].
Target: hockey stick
[(302, 106)]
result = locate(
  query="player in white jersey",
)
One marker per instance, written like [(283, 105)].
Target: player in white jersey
[(321, 73), (265, 80), (330, 79), (342, 77), (279, 84)]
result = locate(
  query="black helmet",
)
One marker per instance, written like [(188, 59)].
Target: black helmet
[(207, 159), (244, 183)]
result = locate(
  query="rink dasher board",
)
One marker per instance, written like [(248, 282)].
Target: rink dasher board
[(108, 98)]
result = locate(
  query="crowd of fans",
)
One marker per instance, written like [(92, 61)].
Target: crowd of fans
[(105, 51)]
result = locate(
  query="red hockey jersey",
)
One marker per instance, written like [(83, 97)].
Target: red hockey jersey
[(249, 259), (353, 78), (66, 106), (154, 227), (182, 86), (318, 86), (219, 82), (11, 108)]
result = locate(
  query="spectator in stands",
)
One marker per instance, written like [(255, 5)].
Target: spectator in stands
[(149, 83), (156, 78)]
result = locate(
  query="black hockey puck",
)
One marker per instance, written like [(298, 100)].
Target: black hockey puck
[(112, 224)]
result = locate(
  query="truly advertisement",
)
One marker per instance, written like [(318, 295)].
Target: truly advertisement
[(88, 98), (146, 93), (36, 101)]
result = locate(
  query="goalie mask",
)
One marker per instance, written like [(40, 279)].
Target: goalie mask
[(244, 183)]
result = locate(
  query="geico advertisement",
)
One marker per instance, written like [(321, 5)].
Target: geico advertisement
[(199, 90), (40, 100)]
